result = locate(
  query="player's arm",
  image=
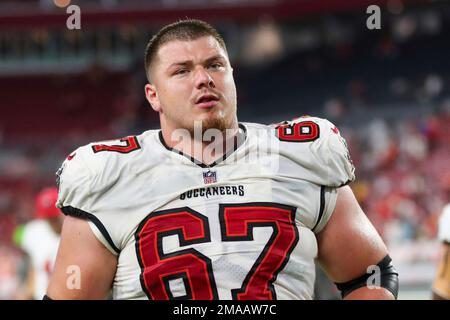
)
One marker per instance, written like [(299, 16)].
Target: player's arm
[(348, 245), (79, 250), (441, 284)]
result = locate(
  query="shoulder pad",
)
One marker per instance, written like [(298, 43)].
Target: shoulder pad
[(317, 145)]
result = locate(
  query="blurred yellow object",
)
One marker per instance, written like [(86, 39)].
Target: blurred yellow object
[(441, 285), (361, 190)]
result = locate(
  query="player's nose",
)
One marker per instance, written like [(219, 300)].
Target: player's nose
[(203, 79)]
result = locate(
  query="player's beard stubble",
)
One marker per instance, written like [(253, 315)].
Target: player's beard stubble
[(220, 120)]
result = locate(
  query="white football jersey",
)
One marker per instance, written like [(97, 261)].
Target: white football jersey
[(241, 228), (444, 225)]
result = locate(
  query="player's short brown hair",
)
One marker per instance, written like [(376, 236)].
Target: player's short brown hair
[(184, 30)]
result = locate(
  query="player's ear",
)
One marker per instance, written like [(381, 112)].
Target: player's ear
[(152, 97)]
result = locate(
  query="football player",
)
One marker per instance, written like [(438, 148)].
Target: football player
[(209, 207), (441, 284)]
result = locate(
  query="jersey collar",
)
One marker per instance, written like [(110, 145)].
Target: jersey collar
[(241, 138)]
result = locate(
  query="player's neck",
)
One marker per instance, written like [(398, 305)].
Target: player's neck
[(205, 147)]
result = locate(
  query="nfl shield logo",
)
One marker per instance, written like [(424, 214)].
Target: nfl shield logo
[(209, 177)]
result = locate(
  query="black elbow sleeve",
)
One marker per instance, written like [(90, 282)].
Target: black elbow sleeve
[(388, 279)]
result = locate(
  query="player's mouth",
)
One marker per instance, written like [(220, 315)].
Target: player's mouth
[(207, 101)]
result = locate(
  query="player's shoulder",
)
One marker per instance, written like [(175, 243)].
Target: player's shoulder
[(299, 133), (301, 129), (101, 162), (94, 168), (114, 152), (314, 144), (116, 147), (304, 129)]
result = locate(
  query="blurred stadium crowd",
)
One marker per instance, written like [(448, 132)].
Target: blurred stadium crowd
[(387, 90)]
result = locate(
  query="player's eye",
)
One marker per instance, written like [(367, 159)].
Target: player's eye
[(181, 71), (215, 65)]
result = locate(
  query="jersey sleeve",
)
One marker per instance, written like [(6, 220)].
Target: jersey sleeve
[(317, 151), (444, 225), (79, 193), (75, 180), (327, 203)]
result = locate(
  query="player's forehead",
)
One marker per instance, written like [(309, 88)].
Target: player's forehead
[(189, 50)]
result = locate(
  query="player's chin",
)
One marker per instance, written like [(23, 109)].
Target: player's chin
[(212, 121), (212, 114)]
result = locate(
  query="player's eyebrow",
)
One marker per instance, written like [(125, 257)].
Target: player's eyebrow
[(180, 63), (214, 58), (186, 63)]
